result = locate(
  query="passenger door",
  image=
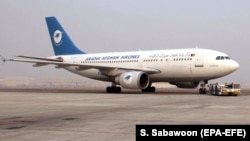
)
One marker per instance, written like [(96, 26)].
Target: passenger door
[(199, 59)]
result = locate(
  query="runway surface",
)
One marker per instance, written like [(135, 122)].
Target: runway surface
[(29, 116)]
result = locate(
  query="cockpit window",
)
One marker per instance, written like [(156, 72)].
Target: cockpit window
[(222, 58), (218, 58)]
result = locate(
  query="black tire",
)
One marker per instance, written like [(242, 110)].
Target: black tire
[(113, 90), (200, 90), (148, 90), (108, 89)]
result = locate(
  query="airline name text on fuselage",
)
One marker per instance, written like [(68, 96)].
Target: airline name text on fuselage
[(112, 57), (159, 55), (116, 57)]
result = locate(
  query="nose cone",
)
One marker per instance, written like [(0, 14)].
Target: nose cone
[(227, 67), (234, 66)]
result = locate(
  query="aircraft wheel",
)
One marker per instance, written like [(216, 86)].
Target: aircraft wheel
[(152, 89), (118, 89), (108, 89), (202, 90), (149, 90), (113, 89)]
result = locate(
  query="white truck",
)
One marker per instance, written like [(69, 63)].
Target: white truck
[(224, 89)]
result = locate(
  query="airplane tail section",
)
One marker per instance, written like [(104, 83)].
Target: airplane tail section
[(60, 40)]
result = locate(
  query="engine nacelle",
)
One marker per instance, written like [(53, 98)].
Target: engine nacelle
[(133, 80), (186, 84)]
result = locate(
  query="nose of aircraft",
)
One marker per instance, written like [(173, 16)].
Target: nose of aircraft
[(234, 65)]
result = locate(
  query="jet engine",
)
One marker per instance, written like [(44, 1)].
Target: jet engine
[(133, 80), (186, 84)]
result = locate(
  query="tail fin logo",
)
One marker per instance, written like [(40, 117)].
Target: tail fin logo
[(57, 37)]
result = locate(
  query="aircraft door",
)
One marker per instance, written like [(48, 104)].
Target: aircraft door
[(199, 59), (140, 64)]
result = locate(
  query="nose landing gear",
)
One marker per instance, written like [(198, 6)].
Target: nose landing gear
[(203, 89)]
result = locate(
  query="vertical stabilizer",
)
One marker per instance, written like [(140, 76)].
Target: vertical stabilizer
[(60, 40)]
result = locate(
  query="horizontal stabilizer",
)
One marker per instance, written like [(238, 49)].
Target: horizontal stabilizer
[(40, 58)]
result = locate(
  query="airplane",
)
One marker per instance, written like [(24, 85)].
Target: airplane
[(184, 68)]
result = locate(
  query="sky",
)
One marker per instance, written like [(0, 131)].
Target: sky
[(124, 25)]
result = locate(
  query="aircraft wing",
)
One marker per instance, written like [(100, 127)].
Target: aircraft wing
[(60, 64)]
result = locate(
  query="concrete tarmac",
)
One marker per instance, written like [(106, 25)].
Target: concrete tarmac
[(94, 116)]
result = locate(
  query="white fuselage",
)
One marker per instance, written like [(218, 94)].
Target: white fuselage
[(176, 65)]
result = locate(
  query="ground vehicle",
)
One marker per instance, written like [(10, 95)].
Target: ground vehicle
[(224, 89)]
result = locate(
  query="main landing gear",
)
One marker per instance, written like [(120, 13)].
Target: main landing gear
[(149, 89), (113, 89)]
